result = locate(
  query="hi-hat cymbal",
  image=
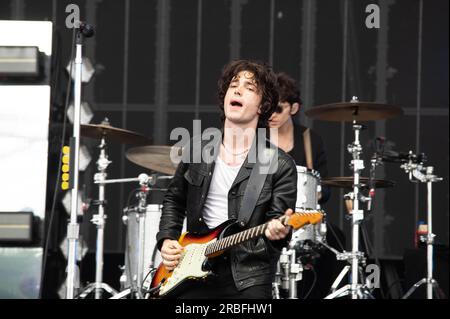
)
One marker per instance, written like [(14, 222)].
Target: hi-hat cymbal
[(153, 157), (114, 134), (353, 111), (347, 182)]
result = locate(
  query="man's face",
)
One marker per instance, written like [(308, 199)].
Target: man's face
[(281, 116), (243, 99)]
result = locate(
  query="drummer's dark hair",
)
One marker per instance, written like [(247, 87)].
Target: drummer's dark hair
[(288, 89), (265, 80)]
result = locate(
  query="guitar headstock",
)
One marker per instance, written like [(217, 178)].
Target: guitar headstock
[(302, 218)]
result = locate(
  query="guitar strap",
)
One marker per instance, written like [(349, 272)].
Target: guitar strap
[(254, 186)]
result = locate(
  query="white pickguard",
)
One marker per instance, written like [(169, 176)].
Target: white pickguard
[(190, 266)]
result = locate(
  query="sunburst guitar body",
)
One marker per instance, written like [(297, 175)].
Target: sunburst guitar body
[(197, 250)]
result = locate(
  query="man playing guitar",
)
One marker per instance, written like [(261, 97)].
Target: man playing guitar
[(209, 194)]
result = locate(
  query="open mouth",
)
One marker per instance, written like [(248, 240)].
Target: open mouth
[(236, 103)]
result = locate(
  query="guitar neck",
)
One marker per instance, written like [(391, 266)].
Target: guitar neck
[(236, 239)]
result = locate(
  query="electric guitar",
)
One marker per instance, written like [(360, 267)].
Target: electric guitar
[(198, 249)]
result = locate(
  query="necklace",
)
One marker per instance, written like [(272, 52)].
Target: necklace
[(234, 154)]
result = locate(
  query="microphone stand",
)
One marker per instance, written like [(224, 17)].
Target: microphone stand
[(73, 228)]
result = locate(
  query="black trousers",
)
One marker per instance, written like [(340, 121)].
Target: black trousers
[(221, 286)]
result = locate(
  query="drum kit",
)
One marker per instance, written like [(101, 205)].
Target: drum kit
[(307, 242), (142, 220)]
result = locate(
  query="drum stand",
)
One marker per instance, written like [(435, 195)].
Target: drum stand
[(415, 175), (142, 210), (287, 274), (355, 257), (99, 221)]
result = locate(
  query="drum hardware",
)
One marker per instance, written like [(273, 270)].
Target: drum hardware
[(347, 182), (141, 246), (133, 282), (413, 165), (291, 271), (355, 111), (137, 281), (290, 265), (105, 131), (99, 221), (135, 269), (151, 180), (141, 209), (356, 258), (277, 282), (146, 183)]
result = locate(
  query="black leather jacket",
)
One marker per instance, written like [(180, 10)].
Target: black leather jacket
[(252, 262)]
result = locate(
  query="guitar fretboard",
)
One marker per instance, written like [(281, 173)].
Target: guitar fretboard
[(230, 241)]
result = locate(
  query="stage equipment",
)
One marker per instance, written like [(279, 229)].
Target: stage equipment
[(355, 112)]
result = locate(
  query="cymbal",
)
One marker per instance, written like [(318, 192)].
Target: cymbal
[(353, 111), (153, 157), (347, 182), (111, 133)]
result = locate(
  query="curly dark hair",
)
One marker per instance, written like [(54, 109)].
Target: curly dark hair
[(288, 89), (265, 80)]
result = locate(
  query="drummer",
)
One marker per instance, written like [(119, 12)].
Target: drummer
[(307, 149), (303, 144)]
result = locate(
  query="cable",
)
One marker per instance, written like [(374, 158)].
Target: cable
[(55, 194), (313, 283), (148, 274), (151, 290), (341, 246), (368, 245)]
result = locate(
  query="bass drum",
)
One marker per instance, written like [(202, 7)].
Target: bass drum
[(152, 256)]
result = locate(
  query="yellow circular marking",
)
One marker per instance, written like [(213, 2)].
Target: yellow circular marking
[(66, 149)]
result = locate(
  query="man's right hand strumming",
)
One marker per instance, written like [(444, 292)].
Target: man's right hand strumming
[(171, 253)]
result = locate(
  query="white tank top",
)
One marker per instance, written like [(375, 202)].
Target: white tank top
[(215, 210)]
